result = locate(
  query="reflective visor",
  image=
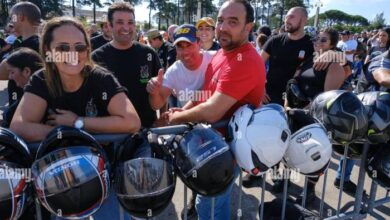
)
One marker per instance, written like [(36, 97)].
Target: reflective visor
[(144, 177)]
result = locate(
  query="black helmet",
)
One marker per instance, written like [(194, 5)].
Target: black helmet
[(355, 150), (71, 173), (295, 97), (343, 115), (15, 161), (144, 186), (378, 166), (378, 107), (203, 160)]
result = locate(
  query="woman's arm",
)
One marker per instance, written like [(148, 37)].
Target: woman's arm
[(26, 121), (335, 77), (123, 117)]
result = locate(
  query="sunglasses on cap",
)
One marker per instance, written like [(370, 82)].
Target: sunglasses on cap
[(66, 48)]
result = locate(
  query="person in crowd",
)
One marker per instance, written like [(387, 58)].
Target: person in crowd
[(171, 32), (383, 45), (313, 82), (265, 29), (260, 42), (25, 17), (165, 36), (134, 64), (73, 93), (234, 77), (21, 64), (103, 38), (347, 45), (206, 32), (285, 53), (183, 79), (9, 40), (162, 47), (93, 30)]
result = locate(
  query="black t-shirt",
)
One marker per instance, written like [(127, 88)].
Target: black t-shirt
[(133, 67), (283, 62), (215, 46), (163, 53), (310, 81), (98, 41), (14, 92), (90, 100)]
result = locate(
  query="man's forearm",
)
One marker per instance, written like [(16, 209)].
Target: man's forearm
[(382, 76), (199, 113)]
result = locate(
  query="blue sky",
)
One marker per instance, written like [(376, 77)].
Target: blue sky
[(365, 8)]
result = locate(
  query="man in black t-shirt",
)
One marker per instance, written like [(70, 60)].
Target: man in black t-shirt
[(132, 63), (102, 39), (25, 17), (285, 53), (162, 47)]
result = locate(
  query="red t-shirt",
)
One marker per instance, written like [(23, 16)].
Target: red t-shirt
[(239, 74)]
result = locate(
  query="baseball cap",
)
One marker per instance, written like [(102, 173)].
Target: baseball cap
[(153, 33), (345, 33), (185, 32), (209, 21)]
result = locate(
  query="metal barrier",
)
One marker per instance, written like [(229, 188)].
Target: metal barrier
[(361, 207)]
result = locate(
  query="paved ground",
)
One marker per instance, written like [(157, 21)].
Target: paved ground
[(251, 197)]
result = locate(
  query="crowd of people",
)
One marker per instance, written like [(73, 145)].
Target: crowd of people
[(116, 80)]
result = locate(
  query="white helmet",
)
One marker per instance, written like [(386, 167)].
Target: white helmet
[(260, 137), (310, 149)]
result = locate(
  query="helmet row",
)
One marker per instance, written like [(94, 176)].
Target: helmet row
[(71, 173), (263, 137)]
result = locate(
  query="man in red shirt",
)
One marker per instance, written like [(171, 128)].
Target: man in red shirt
[(235, 76)]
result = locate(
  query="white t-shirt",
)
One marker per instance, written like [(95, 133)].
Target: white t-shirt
[(346, 46), (185, 82)]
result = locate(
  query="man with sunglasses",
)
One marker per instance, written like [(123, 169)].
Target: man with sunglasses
[(132, 63)]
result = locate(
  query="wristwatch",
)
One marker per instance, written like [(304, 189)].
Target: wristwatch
[(79, 123)]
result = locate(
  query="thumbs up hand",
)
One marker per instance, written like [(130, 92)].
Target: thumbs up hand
[(155, 83)]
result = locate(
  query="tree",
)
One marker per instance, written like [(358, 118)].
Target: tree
[(379, 21)]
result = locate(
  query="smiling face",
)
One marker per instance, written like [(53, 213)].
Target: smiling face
[(322, 42), (231, 28), (188, 53), (123, 27), (69, 37), (206, 33)]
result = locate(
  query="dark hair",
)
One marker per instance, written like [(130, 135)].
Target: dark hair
[(25, 57), (261, 39), (249, 10), (264, 30), (387, 30), (333, 34), (53, 80), (28, 9), (119, 6)]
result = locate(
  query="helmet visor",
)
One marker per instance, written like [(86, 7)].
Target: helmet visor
[(144, 177), (73, 180), (197, 148)]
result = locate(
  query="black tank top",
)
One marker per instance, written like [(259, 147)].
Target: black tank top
[(310, 81)]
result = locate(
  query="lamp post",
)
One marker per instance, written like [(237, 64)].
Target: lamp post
[(318, 4)]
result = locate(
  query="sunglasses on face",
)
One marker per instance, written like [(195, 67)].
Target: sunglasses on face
[(321, 39), (66, 48)]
